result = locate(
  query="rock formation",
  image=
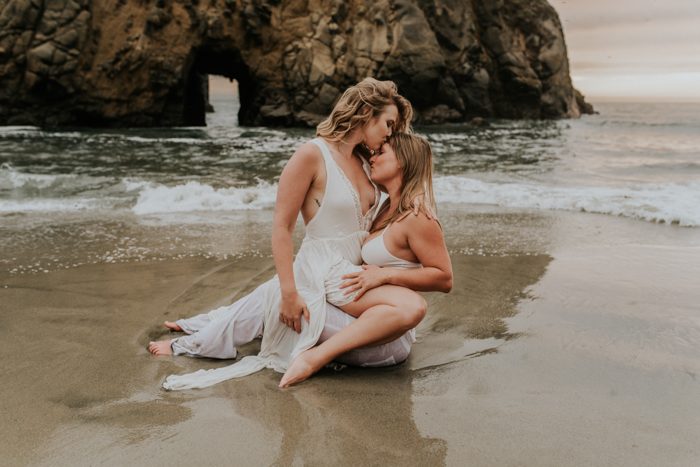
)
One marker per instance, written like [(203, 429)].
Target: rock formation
[(142, 63)]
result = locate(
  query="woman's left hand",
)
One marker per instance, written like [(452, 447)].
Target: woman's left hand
[(370, 277)]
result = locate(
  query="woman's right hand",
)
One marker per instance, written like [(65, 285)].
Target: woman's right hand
[(370, 277), (291, 310)]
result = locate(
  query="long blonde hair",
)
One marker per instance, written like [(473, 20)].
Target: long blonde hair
[(359, 104), (415, 158)]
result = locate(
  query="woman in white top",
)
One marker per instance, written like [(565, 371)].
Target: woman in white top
[(379, 296), (402, 250), (327, 181)]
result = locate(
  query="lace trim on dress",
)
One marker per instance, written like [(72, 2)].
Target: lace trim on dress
[(364, 221), (355, 197), (372, 213)]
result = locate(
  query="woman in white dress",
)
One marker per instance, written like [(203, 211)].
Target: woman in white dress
[(412, 254), (405, 251), (337, 219)]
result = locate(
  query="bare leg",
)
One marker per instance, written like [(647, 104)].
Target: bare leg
[(375, 355), (385, 295), (401, 310)]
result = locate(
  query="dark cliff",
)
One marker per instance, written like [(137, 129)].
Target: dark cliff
[(142, 63)]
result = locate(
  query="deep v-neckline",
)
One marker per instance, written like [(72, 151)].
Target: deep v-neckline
[(353, 191)]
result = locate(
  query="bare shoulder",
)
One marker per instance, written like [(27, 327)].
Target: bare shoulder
[(420, 225), (304, 164), (307, 153)]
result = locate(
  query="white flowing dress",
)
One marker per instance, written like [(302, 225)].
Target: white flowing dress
[(333, 236)]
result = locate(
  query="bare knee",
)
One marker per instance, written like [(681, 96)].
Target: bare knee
[(413, 310)]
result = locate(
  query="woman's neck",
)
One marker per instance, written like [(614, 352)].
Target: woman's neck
[(346, 146), (393, 190), (394, 199)]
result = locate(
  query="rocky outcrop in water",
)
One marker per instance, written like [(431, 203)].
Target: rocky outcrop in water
[(143, 63)]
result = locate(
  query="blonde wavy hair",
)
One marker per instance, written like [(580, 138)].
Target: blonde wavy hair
[(359, 104), (415, 158)]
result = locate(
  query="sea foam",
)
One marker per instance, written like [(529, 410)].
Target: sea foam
[(674, 203), (195, 196), (669, 203)]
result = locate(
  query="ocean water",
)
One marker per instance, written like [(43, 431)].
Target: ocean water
[(78, 195)]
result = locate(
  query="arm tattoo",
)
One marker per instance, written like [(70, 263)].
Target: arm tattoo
[(317, 202)]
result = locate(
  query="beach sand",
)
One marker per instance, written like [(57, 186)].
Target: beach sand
[(568, 339)]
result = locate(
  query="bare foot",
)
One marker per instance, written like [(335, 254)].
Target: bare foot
[(161, 347), (173, 326), (301, 368)]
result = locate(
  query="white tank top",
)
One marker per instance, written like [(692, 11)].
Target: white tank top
[(375, 252), (340, 213)]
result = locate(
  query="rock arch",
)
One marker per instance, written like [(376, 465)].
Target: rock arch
[(214, 58), (119, 63)]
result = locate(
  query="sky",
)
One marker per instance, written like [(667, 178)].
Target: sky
[(643, 50)]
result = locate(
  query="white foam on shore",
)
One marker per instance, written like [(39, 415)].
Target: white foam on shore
[(673, 203), (134, 184), (670, 203), (195, 196)]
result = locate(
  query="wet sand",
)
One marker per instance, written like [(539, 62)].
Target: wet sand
[(569, 339)]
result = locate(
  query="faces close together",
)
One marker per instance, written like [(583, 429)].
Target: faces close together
[(384, 165), (379, 128)]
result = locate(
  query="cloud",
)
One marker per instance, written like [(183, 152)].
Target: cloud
[(592, 14), (633, 46)]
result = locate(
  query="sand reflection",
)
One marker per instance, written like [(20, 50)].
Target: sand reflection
[(470, 320), (363, 415)]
